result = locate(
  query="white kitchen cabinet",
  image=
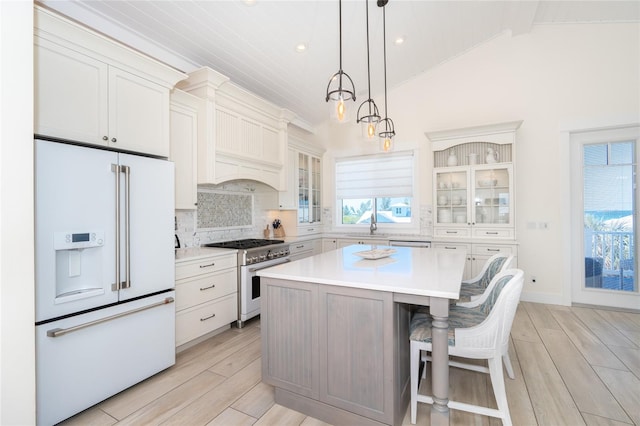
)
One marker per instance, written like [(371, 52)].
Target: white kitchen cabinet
[(474, 201), (304, 188), (473, 182), (343, 242), (478, 254), (288, 199), (206, 295), (184, 147), (93, 90), (329, 244)]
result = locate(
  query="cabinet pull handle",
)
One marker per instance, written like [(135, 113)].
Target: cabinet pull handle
[(490, 249), (452, 232), (207, 318), (300, 246), (206, 266), (105, 138), (207, 288), (451, 248), (114, 140), (491, 233), (310, 229)]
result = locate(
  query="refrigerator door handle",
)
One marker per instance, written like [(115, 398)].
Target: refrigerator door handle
[(127, 229), (57, 332), (116, 169)]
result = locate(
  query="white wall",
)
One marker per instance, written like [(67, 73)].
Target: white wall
[(17, 351), (555, 78)]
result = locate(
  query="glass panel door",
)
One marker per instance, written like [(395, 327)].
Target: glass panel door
[(604, 217), (609, 180)]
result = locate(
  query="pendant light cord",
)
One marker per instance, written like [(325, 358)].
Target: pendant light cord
[(340, 32), (384, 49), (368, 61)]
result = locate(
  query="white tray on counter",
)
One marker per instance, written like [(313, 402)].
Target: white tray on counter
[(375, 254)]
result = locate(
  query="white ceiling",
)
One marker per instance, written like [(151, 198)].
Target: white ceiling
[(254, 45)]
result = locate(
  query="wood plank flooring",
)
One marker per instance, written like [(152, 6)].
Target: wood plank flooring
[(573, 366)]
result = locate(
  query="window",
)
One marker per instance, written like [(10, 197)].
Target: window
[(379, 186)]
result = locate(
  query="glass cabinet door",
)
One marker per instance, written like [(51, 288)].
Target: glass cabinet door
[(452, 197), (309, 193), (316, 180), (303, 188), (492, 196)]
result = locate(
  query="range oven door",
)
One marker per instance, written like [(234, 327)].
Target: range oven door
[(249, 297)]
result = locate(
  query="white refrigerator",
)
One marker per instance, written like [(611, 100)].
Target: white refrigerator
[(105, 274)]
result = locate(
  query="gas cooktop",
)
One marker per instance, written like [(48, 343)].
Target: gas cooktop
[(245, 244)]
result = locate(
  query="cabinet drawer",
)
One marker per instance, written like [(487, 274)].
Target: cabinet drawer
[(199, 289), (202, 319), (206, 265), (453, 246), (309, 229), (493, 233), (452, 232), (491, 249), (301, 246)]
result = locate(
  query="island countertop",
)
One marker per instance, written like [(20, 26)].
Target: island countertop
[(413, 271)]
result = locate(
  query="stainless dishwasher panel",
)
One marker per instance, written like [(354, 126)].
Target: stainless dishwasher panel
[(422, 244)]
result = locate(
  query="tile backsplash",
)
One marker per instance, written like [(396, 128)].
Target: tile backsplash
[(227, 213), (218, 209)]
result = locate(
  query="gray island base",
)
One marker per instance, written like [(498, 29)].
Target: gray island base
[(335, 332)]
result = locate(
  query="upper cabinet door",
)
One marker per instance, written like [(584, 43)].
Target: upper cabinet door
[(71, 93), (138, 114)]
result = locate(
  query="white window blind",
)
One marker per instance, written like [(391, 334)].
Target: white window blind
[(375, 176)]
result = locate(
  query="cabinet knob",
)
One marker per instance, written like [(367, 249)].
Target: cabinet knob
[(114, 140), (105, 138)]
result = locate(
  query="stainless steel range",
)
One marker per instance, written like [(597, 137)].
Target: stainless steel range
[(253, 255)]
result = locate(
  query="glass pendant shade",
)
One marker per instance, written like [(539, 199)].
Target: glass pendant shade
[(368, 117), (387, 132), (340, 89)]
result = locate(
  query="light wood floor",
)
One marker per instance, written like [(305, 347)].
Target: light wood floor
[(573, 366)]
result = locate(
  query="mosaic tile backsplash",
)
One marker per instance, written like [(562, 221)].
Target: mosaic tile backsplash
[(222, 210), (265, 206)]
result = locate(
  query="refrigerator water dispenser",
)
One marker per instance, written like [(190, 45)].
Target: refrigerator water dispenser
[(78, 265)]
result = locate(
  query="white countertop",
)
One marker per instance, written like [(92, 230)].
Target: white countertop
[(194, 253), (415, 271)]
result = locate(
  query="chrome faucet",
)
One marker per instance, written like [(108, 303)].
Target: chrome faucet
[(373, 227)]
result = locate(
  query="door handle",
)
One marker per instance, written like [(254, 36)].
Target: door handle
[(127, 225), (116, 169)]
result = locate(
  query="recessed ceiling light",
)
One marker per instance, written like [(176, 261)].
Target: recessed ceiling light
[(399, 40), (249, 2), (301, 47)]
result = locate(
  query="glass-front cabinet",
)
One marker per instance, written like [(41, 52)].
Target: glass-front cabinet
[(474, 201), (309, 181)]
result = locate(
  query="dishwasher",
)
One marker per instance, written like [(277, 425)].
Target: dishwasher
[(399, 243)]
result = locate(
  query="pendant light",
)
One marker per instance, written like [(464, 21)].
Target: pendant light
[(387, 130), (370, 116), (340, 94)]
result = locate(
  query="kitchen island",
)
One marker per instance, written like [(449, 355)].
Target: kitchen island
[(335, 331)]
